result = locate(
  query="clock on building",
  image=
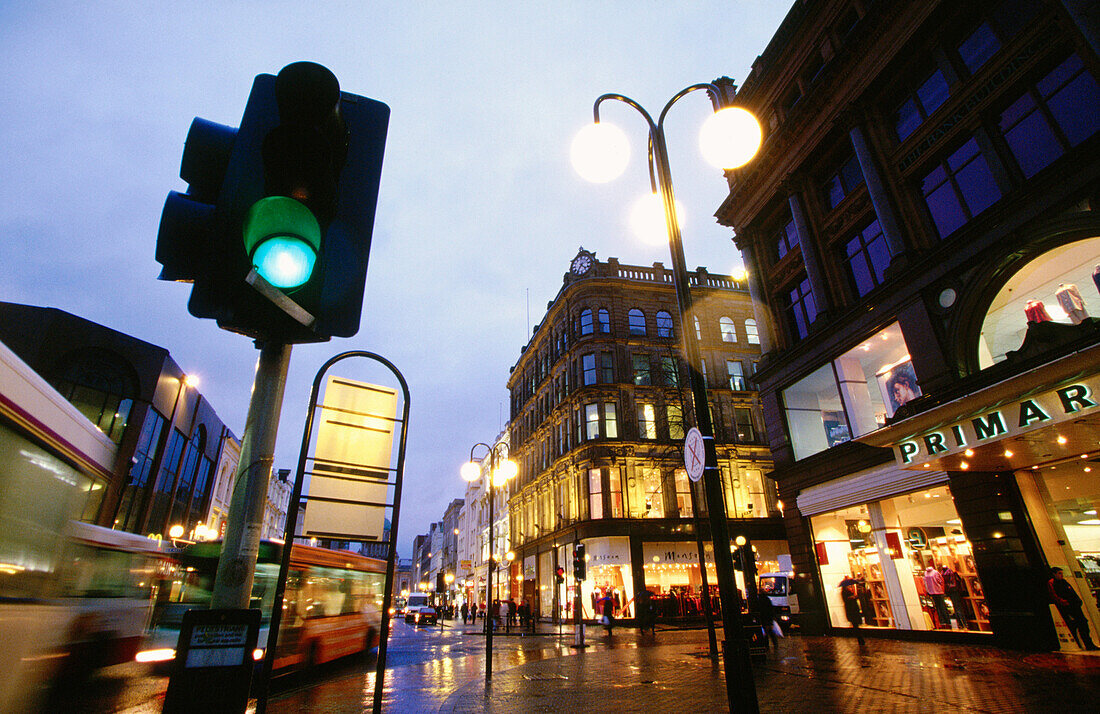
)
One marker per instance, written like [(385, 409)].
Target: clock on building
[(581, 264)]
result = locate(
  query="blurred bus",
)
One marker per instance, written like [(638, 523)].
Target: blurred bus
[(72, 596), (331, 606)]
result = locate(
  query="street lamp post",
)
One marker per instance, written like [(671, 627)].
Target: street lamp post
[(724, 125), (501, 469)]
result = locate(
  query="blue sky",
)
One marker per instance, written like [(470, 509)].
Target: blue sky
[(479, 211)]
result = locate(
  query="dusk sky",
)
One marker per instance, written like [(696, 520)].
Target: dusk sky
[(479, 211)]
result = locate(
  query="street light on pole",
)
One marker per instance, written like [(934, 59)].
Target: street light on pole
[(729, 139), (501, 470)]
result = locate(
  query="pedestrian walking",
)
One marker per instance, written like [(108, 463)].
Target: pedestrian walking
[(1069, 605), (506, 614), (646, 607), (606, 608), (765, 611), (465, 612), (849, 593), (494, 615), (513, 614)]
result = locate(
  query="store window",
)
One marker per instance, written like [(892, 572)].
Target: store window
[(1057, 286), (903, 562), (815, 414), (654, 500)]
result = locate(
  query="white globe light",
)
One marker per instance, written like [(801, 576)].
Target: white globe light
[(505, 471), (730, 138), (471, 471), (600, 152), (647, 219)]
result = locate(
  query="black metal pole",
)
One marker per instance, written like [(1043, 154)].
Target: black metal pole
[(740, 687), (490, 622)]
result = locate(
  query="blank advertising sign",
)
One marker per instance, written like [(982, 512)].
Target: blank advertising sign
[(349, 482)]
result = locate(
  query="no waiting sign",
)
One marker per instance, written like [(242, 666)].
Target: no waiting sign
[(694, 454)]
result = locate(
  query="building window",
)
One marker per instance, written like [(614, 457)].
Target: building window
[(592, 421), (675, 415), (800, 308), (670, 372), (586, 322), (664, 324), (751, 334), (636, 320), (132, 504), (728, 330), (653, 494), (928, 97), (1002, 24), (787, 238), (736, 372), (846, 179), (1057, 112), (588, 367), (745, 431), (595, 494), (868, 257), (605, 321), (607, 367), (647, 422), (683, 494), (959, 188), (641, 369), (615, 492), (698, 330), (610, 421), (815, 414), (978, 47)]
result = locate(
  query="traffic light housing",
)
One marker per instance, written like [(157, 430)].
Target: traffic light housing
[(559, 575), (440, 583), (275, 228), (580, 564)]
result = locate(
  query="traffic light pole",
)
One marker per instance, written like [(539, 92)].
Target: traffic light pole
[(237, 565)]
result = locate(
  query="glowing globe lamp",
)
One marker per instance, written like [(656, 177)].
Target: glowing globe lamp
[(282, 237), (730, 138), (600, 152)]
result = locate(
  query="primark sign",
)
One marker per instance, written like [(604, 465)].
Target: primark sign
[(1002, 421)]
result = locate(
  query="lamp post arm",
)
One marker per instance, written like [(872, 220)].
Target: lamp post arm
[(711, 89)]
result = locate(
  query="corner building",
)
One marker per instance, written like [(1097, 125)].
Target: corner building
[(923, 241), (598, 399)]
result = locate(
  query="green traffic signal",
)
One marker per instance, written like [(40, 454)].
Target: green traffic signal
[(282, 238)]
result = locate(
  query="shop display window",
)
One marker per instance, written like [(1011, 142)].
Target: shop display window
[(905, 561), (815, 414), (1060, 286), (654, 501)]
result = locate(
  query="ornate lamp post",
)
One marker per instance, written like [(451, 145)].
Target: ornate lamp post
[(501, 470), (729, 139)]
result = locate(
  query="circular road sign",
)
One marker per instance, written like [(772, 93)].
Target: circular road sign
[(694, 454)]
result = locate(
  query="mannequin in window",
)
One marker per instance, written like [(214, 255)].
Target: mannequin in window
[(933, 586), (1096, 278), (1036, 311), (1069, 297)]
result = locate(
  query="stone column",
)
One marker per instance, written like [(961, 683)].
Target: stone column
[(876, 188), (810, 257)]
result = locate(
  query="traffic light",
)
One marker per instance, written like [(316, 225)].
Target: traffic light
[(559, 575), (275, 228), (579, 562), (440, 583)]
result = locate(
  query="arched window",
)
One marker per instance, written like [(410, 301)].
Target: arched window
[(729, 332), (698, 329), (750, 332), (586, 321), (636, 319), (605, 321), (664, 324)]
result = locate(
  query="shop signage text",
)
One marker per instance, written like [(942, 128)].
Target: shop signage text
[(1005, 420)]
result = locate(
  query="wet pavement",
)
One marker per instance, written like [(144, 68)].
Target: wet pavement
[(433, 671)]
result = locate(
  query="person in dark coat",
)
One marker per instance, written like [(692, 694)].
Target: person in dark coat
[(849, 593), (765, 610), (646, 606), (465, 612), (606, 610), (1069, 605)]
